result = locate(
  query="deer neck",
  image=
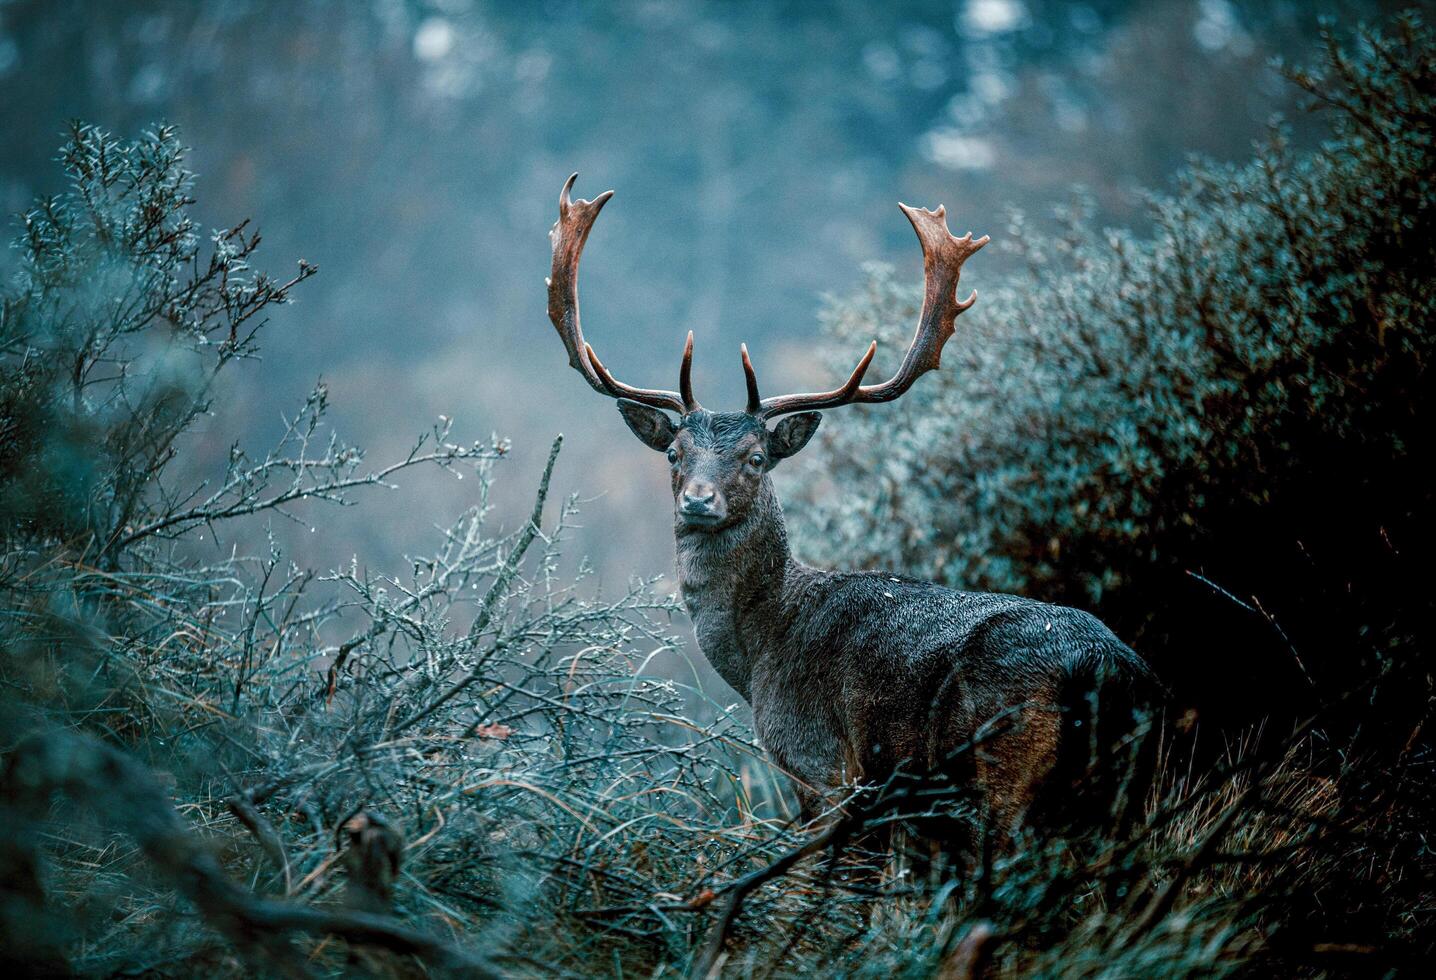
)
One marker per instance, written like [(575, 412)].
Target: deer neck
[(732, 581)]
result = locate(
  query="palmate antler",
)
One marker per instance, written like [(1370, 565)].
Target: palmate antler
[(943, 256), (942, 259), (568, 235)]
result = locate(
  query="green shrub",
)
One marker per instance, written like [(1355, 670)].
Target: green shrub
[(1217, 434), (480, 707), (118, 321)]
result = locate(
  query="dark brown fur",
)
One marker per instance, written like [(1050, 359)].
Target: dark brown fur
[(853, 674)]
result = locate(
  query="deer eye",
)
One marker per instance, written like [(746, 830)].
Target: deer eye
[(672, 455), (757, 459)]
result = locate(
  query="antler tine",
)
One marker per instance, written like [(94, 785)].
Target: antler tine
[(755, 404), (685, 377), (943, 256), (568, 235), (783, 404)]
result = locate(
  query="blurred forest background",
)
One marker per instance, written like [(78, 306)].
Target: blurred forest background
[(413, 151)]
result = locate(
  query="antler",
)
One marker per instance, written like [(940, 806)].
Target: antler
[(942, 259), (569, 233), (943, 256)]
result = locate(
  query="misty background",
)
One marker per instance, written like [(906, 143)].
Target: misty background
[(414, 151)]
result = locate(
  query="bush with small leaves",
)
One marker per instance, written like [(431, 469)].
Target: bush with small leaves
[(1217, 435)]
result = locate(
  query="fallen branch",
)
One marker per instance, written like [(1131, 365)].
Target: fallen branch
[(707, 964), (264, 833)]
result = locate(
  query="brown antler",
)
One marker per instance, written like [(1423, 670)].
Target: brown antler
[(570, 232), (942, 259)]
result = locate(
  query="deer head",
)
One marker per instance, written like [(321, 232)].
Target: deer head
[(720, 460)]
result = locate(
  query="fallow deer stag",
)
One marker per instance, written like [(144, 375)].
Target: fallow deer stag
[(853, 676)]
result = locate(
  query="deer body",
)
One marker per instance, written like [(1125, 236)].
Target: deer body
[(853, 676)]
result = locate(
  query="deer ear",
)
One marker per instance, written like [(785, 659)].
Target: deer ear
[(792, 434), (652, 426)]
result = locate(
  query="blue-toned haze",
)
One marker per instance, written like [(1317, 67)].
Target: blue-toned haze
[(414, 152)]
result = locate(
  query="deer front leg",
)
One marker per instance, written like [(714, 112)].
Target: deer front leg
[(812, 803), (820, 794), (820, 778)]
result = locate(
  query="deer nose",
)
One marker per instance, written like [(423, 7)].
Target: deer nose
[(700, 500)]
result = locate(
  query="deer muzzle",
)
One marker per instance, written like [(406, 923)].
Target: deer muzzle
[(701, 506)]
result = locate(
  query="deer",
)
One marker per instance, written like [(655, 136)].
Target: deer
[(855, 676)]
